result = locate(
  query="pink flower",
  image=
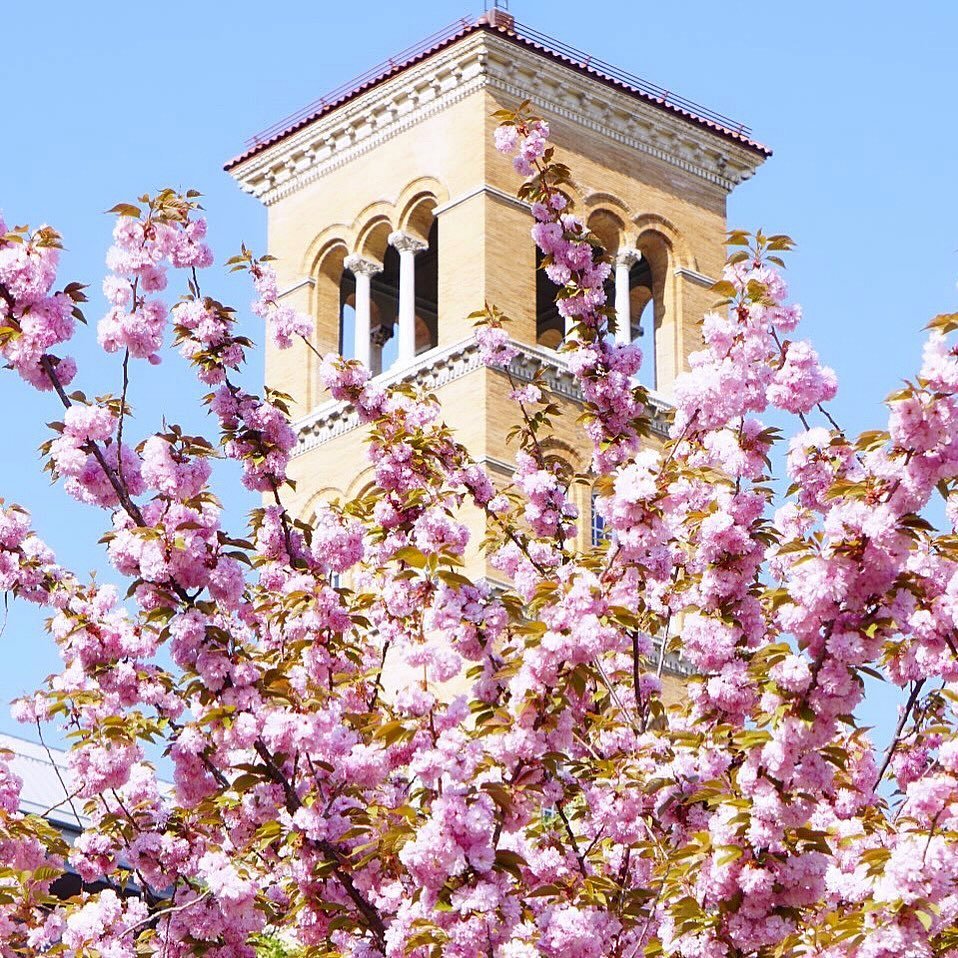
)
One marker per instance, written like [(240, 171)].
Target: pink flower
[(495, 346), (801, 383)]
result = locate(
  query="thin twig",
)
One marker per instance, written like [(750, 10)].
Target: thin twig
[(56, 769), (172, 910), (906, 712), (572, 840), (119, 428)]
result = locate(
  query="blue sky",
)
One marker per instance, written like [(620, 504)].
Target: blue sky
[(107, 100)]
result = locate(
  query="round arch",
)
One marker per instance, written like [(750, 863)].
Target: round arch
[(417, 204), (323, 265), (656, 223), (322, 244), (326, 494), (656, 306), (372, 235), (597, 199), (609, 229), (564, 451), (361, 484)]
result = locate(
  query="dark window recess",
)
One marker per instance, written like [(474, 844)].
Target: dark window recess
[(599, 533), (550, 326)]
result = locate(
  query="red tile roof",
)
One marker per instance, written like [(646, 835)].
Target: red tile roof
[(523, 36)]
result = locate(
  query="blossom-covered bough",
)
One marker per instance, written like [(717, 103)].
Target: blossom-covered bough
[(533, 794)]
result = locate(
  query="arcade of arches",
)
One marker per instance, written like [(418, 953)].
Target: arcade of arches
[(387, 302)]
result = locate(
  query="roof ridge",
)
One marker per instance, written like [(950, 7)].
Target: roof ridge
[(538, 42)]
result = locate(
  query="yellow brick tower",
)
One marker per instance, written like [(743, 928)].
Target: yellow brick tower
[(392, 218)]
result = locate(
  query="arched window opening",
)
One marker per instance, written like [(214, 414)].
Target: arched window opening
[(648, 292), (642, 315), (427, 293), (384, 308), (384, 304), (599, 533), (398, 301), (326, 306), (550, 326)]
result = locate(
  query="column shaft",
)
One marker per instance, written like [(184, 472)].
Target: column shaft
[(408, 246), (363, 270), (407, 307), (361, 349)]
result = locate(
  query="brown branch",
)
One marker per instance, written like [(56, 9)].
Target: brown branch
[(63, 784), (906, 712), (572, 840), (378, 685), (373, 919), (128, 504), (119, 428)]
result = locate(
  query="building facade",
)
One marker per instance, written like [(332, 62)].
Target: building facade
[(393, 218)]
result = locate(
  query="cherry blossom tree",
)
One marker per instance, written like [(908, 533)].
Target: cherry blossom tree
[(548, 801)]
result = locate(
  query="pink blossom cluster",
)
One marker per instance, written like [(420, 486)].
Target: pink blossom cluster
[(390, 739), (285, 323), (528, 141), (33, 318), (256, 433), (204, 336), (142, 250), (548, 509), (572, 261), (72, 456), (495, 347), (745, 368)]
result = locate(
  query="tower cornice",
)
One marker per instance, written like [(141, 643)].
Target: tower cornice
[(489, 59)]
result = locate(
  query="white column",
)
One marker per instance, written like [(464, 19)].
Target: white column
[(363, 270), (407, 246), (624, 261)]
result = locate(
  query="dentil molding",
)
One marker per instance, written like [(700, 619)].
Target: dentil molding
[(467, 66)]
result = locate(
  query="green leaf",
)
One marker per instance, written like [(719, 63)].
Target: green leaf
[(728, 854), (125, 209)]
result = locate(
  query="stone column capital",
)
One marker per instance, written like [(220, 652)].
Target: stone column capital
[(627, 257), (407, 243), (359, 266)]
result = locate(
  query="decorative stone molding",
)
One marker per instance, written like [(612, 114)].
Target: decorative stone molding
[(444, 364), (477, 61), (695, 277), (363, 123), (672, 664), (640, 126), (627, 257), (407, 243), (357, 265), (496, 465), (380, 334), (492, 191)]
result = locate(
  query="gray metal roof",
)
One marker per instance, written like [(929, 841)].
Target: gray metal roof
[(47, 782)]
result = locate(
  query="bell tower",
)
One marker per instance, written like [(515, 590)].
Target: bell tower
[(392, 218)]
